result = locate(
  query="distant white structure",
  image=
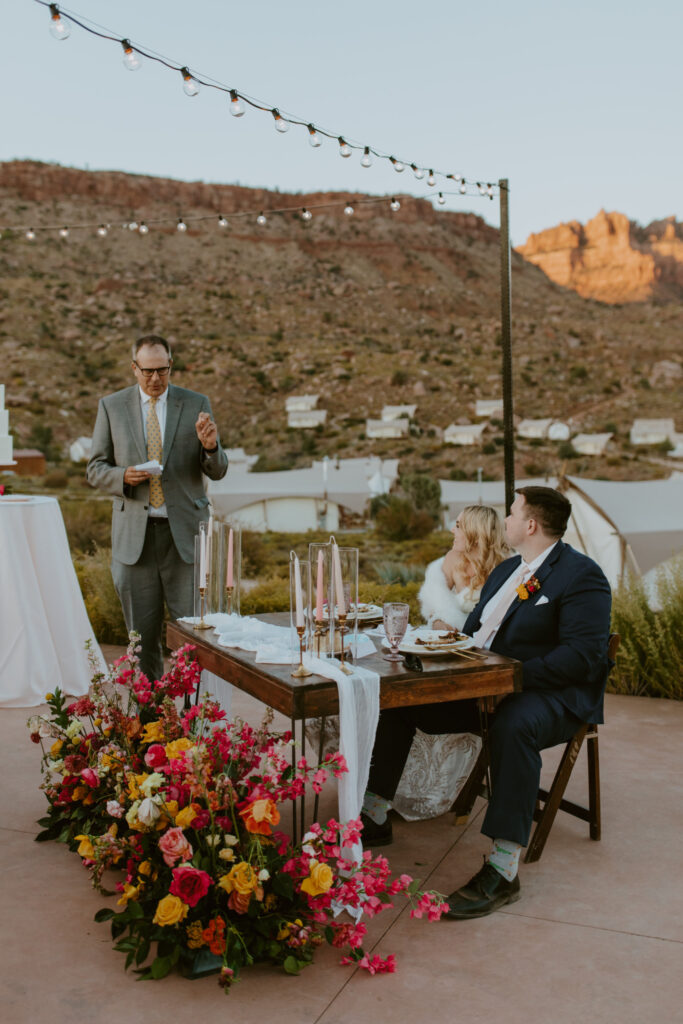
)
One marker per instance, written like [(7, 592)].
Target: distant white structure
[(306, 419), (300, 403), (302, 499), (5, 436), (488, 407), (534, 428), (464, 433), (397, 412), (375, 429), (677, 450), (558, 431), (79, 450), (239, 461), (591, 444), (652, 431)]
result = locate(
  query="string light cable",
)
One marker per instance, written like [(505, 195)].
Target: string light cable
[(133, 56)]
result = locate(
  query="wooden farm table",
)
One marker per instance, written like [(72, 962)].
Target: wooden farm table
[(442, 679)]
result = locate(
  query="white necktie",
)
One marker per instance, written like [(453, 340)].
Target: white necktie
[(504, 597)]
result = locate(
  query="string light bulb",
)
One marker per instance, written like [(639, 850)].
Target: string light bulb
[(143, 229), (181, 225), (313, 137), (366, 159), (348, 210), (394, 205), (190, 87), (441, 199), (31, 235), (431, 180), (396, 164), (463, 187), (261, 220), (133, 225), (222, 221), (281, 125), (236, 108), (489, 191), (306, 214), (130, 57), (102, 231), (417, 171), (344, 148), (59, 26), (63, 232)]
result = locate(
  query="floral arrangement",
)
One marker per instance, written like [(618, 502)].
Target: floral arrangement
[(525, 590), (185, 805)]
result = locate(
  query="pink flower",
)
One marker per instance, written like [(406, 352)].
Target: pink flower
[(190, 884), (174, 847), (156, 756), (115, 809), (319, 778), (90, 777)]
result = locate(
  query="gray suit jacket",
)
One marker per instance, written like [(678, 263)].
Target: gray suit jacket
[(119, 441)]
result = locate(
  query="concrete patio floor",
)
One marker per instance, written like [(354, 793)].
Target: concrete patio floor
[(597, 935)]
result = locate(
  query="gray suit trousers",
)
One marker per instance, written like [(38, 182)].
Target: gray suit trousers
[(159, 575)]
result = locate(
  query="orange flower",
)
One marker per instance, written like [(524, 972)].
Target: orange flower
[(259, 815)]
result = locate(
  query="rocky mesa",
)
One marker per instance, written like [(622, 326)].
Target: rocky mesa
[(611, 258)]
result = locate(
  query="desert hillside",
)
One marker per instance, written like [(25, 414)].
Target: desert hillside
[(376, 308)]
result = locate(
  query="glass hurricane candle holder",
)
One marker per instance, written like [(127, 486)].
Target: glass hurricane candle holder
[(320, 558), (344, 621), (300, 609), (201, 578), (229, 569)]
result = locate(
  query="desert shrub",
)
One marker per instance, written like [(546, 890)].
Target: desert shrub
[(398, 572), (272, 595), (398, 519), (380, 593), (100, 598), (56, 478), (88, 523), (650, 658), (424, 491), (254, 555)]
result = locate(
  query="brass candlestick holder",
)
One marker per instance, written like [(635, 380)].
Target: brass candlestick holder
[(201, 624), (301, 672), (228, 595), (343, 630), (318, 634)]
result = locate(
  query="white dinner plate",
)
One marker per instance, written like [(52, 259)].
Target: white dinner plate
[(433, 637), (365, 611)]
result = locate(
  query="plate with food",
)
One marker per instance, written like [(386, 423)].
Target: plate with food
[(428, 642), (364, 612)]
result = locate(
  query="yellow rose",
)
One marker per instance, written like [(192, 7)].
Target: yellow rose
[(86, 848), (170, 910), (319, 879), (185, 817), (79, 792), (145, 868), (56, 747), (242, 878), (176, 747), (130, 892), (153, 732)]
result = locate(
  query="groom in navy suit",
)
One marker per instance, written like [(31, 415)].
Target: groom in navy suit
[(548, 607)]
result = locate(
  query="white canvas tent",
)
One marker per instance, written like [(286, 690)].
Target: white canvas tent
[(626, 527)]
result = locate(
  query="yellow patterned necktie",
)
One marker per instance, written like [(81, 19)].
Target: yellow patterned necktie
[(154, 451)]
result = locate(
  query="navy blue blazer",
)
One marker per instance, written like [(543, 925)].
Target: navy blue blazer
[(562, 640)]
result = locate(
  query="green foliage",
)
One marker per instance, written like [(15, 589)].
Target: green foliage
[(398, 572), (650, 658), (400, 520), (101, 600), (272, 595), (381, 593), (88, 523), (424, 492)]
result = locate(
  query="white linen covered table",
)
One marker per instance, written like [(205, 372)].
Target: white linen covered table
[(43, 622)]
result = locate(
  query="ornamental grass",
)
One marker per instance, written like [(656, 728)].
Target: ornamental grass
[(175, 810)]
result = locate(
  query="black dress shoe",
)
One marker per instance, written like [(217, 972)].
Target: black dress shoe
[(483, 894), (374, 834)]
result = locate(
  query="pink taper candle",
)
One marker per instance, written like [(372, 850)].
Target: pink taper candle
[(229, 582), (338, 581), (319, 590)]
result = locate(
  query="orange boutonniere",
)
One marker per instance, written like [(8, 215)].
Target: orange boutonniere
[(525, 590)]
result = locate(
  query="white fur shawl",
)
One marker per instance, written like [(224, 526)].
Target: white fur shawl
[(438, 601)]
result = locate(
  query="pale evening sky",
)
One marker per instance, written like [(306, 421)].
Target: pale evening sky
[(577, 104)]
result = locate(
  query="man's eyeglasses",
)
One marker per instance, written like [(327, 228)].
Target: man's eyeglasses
[(148, 372)]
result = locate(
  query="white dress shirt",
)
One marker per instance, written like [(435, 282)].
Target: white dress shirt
[(160, 512), (529, 570)]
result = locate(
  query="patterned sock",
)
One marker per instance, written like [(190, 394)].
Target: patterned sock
[(504, 856), (375, 807)]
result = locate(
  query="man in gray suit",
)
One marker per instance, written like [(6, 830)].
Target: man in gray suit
[(155, 518)]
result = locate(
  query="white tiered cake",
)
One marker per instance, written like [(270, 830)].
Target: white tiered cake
[(5, 437)]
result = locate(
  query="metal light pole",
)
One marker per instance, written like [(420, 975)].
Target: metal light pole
[(506, 342)]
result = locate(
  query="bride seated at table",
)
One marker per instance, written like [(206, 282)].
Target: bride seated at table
[(438, 766)]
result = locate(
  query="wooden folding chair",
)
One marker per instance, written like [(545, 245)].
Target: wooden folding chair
[(549, 802)]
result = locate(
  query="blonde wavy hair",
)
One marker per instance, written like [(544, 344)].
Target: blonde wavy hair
[(485, 543)]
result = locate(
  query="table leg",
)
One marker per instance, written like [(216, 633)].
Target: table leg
[(293, 774), (302, 805), (321, 748)]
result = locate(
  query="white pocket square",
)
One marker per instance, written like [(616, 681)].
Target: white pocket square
[(542, 600)]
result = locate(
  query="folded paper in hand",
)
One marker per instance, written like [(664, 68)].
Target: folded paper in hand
[(152, 467)]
